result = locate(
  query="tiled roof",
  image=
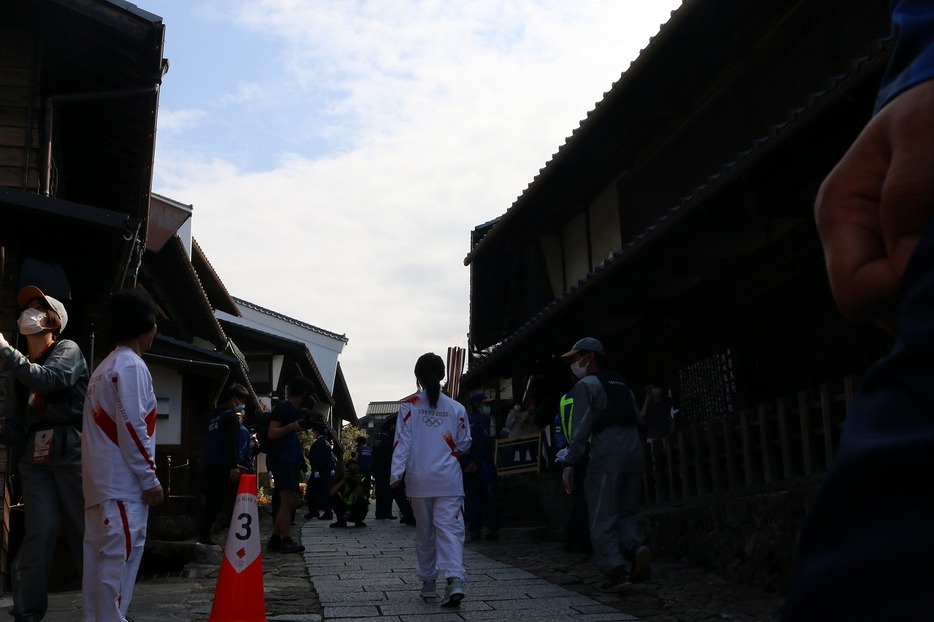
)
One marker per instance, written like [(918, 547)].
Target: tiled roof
[(290, 320)]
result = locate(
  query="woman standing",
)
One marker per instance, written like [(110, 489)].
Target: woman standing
[(432, 432)]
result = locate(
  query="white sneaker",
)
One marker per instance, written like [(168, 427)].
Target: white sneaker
[(428, 590), (453, 593)]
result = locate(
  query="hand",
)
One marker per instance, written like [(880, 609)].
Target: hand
[(153, 496), (471, 468), (567, 476), (874, 205), (3, 342), (395, 484), (235, 475)]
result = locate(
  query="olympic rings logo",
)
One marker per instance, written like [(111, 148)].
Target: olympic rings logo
[(433, 422)]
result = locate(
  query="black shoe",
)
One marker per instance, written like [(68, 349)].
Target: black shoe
[(290, 546), (407, 520), (491, 536), (338, 525), (327, 516), (359, 523), (311, 515), (474, 536), (640, 565), (275, 544), (616, 582)]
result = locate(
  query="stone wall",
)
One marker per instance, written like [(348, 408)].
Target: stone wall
[(748, 539)]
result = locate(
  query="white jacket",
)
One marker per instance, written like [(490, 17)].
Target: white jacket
[(428, 445), (118, 443)]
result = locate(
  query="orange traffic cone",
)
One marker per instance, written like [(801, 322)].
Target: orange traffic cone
[(239, 593)]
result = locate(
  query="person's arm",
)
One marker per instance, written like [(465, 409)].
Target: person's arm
[(278, 430), (873, 206), (585, 415), (64, 368), (135, 428), (402, 445)]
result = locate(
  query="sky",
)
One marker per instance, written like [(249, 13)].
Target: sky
[(338, 153)]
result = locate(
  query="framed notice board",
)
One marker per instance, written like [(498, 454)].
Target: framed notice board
[(518, 454)]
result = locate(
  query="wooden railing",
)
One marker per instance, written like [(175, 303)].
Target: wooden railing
[(757, 448)]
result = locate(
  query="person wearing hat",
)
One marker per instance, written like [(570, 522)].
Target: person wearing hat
[(481, 502), (220, 475), (321, 461), (605, 413), (42, 419)]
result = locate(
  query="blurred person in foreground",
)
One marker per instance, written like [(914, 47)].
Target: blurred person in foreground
[(42, 419), (867, 546), (431, 434), (119, 443)]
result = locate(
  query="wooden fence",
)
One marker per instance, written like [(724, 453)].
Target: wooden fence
[(763, 447)]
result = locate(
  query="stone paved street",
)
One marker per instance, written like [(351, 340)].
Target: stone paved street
[(368, 574)]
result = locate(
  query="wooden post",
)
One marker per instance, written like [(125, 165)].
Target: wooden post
[(730, 451), (712, 447), (827, 424), (700, 483), (672, 489), (804, 417), (747, 446), (765, 443), (784, 441), (683, 467), (850, 386)]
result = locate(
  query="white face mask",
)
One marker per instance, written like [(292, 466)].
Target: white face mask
[(30, 321), (578, 370), (484, 409)]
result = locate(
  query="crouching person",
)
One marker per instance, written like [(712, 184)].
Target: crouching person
[(349, 500)]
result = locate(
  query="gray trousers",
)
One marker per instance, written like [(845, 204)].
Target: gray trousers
[(613, 507), (49, 492)]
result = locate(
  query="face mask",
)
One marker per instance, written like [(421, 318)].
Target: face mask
[(484, 410), (578, 370), (30, 321)]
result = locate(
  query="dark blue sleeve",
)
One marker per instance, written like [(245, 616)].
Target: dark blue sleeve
[(912, 60)]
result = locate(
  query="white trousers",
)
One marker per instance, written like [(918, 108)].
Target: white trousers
[(114, 538), (439, 537)]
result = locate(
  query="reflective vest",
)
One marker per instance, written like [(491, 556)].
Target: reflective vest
[(566, 413)]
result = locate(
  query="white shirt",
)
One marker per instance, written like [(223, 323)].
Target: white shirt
[(118, 442), (429, 442)]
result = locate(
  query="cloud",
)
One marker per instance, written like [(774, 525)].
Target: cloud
[(339, 185)]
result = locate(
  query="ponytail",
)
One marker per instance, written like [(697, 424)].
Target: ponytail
[(429, 370)]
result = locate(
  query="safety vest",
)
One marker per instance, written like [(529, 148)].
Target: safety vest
[(566, 412)]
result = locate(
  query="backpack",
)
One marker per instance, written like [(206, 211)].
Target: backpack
[(620, 405)]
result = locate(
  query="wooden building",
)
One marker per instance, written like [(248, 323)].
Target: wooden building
[(676, 226)]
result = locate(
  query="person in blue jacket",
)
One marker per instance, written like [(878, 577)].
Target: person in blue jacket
[(867, 549), (481, 500), (221, 473)]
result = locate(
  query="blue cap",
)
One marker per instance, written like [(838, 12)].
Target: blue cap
[(587, 344), (480, 397)]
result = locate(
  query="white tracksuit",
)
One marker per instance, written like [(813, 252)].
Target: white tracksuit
[(119, 448), (428, 444)]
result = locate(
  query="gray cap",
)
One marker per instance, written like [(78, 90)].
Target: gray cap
[(587, 344)]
